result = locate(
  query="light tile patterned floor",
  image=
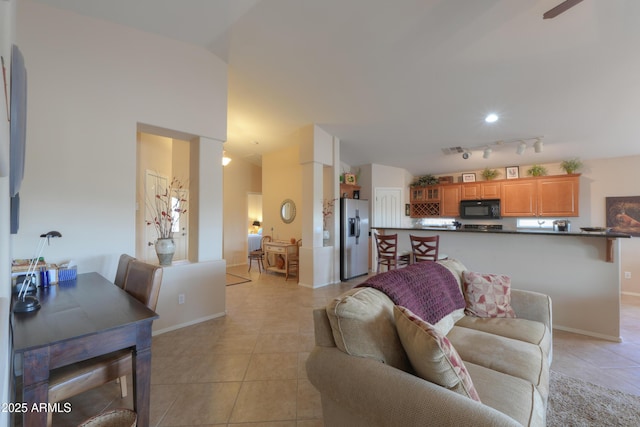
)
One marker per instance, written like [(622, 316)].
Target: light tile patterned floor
[(247, 368)]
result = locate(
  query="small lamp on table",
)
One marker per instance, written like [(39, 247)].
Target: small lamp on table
[(27, 303)]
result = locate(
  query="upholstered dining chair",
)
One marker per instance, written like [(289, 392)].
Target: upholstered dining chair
[(387, 247), (424, 248), (258, 254), (121, 273), (294, 262), (142, 281)]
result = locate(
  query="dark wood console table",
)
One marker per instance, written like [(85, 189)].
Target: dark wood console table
[(80, 319)]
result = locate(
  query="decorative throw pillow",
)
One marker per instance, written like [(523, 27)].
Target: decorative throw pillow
[(487, 295), (431, 354)]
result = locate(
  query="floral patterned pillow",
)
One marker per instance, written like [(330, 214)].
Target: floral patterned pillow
[(431, 354), (487, 295)]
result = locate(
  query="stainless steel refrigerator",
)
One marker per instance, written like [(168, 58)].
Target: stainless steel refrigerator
[(354, 238)]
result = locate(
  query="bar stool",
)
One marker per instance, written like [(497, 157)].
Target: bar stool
[(387, 246), (424, 248)]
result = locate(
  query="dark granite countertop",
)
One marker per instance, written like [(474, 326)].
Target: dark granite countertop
[(529, 231)]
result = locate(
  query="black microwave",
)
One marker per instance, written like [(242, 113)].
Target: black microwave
[(480, 209)]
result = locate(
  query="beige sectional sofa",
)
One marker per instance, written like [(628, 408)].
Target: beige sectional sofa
[(366, 378)]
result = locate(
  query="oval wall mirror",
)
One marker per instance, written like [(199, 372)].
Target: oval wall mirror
[(288, 211)]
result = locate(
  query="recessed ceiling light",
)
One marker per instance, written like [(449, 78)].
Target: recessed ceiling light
[(491, 118)]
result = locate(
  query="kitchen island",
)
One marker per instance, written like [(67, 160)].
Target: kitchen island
[(579, 271)]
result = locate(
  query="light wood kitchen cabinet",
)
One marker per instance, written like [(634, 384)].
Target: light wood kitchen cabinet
[(417, 194), (481, 190), (450, 205), (558, 196), (425, 201), (519, 197), (547, 196)]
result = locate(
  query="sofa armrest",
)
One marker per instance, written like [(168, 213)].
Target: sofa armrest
[(532, 306), (364, 392)]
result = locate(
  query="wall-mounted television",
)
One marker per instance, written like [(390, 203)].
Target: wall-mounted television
[(18, 132)]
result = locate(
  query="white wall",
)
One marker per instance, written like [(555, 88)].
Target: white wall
[(90, 83), (282, 179), (614, 177), (240, 178)]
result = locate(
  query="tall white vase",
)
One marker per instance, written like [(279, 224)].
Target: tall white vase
[(165, 249)]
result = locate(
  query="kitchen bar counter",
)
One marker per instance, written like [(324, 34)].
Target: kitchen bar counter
[(570, 267), (545, 232), (610, 236)]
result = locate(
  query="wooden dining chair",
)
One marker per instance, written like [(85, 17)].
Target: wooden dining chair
[(142, 281), (424, 248), (387, 247), (121, 272), (294, 262), (258, 254)]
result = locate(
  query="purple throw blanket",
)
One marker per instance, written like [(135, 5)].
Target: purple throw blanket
[(428, 289)]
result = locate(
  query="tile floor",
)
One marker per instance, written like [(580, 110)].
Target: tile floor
[(247, 368)]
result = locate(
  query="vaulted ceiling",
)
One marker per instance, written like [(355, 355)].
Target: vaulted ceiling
[(398, 81)]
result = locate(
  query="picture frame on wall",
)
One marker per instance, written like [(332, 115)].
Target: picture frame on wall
[(407, 209), (350, 179), (468, 177), (512, 172), (623, 215)]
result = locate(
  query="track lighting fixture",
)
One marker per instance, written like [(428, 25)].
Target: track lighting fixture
[(537, 146), (487, 149)]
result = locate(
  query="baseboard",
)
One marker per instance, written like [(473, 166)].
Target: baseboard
[(588, 333), (631, 294), (238, 264), (190, 323)]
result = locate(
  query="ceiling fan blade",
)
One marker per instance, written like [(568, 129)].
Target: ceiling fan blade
[(562, 7)]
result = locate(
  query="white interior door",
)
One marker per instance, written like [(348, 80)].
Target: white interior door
[(388, 209), (387, 212)]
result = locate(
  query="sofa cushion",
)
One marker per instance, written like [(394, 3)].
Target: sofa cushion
[(363, 325), (510, 395), (431, 354), (509, 356), (518, 329), (487, 295)]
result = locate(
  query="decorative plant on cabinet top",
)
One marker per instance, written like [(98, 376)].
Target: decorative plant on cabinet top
[(537, 170), (490, 174), (424, 180), (571, 166)]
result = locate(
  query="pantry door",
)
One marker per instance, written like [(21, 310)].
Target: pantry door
[(387, 210)]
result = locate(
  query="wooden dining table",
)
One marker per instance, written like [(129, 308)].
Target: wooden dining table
[(79, 319)]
